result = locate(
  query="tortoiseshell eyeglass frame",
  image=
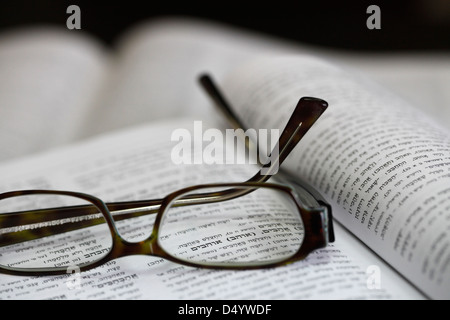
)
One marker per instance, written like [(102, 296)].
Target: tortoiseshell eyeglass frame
[(315, 212)]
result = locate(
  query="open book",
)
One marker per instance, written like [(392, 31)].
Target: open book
[(382, 164)]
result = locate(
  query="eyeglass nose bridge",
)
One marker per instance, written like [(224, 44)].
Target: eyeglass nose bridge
[(122, 248), (119, 211)]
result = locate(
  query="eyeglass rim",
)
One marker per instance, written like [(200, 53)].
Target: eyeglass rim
[(314, 237), (312, 217)]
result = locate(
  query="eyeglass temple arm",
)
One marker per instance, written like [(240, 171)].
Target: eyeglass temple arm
[(305, 114), (307, 111)]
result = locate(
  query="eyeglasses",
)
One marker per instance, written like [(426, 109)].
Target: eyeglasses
[(253, 224)]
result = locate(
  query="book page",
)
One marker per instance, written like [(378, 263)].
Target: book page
[(50, 79), (136, 164), (383, 165), (422, 79)]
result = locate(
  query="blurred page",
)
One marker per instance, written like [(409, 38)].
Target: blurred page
[(49, 82), (157, 66)]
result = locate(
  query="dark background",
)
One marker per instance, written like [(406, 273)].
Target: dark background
[(415, 25)]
